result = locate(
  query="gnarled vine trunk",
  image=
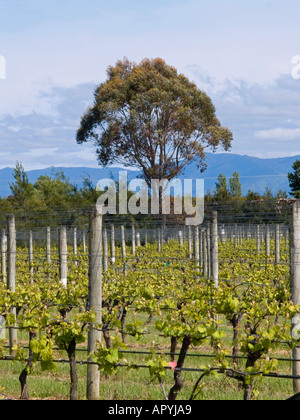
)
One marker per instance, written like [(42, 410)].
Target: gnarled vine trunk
[(71, 350), (177, 373)]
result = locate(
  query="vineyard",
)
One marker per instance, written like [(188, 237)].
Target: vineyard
[(163, 312)]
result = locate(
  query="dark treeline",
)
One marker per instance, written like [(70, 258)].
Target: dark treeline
[(54, 200), (253, 207)]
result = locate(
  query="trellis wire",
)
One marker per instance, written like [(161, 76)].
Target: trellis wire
[(234, 233)]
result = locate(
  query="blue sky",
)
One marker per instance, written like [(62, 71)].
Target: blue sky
[(56, 52)]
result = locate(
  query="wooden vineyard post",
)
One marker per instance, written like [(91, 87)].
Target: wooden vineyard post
[(30, 255), (48, 245), (63, 255), (295, 286), (268, 241), (105, 251), (215, 249), (236, 236), (258, 238), (75, 244), (196, 247), (94, 298), (209, 253), (223, 234), (112, 245), (277, 245), (180, 238), (123, 243), (232, 234), (11, 272), (190, 242), (201, 248), (3, 255), (138, 239), (133, 240), (205, 253), (75, 241), (84, 241), (158, 233)]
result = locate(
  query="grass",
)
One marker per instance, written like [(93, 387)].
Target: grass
[(135, 384)]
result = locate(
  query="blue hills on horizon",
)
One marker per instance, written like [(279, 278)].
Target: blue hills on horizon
[(256, 174)]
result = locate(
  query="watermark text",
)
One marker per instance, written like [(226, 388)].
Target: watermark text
[(296, 68), (187, 197)]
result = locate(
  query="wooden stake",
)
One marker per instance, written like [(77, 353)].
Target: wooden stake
[(30, 255), (277, 245), (105, 251), (3, 254), (112, 245), (48, 245), (63, 255), (295, 285), (94, 298), (133, 240), (123, 243), (11, 271), (215, 249)]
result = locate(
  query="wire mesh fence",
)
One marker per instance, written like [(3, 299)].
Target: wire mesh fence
[(240, 249)]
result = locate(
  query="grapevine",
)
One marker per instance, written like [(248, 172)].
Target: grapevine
[(160, 295)]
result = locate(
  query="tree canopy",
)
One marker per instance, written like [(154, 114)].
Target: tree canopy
[(235, 185), (221, 191), (54, 199), (294, 179), (22, 190), (149, 116)]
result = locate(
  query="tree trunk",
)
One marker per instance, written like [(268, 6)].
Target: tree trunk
[(173, 348), (177, 373), (24, 373), (248, 392), (251, 360), (106, 336), (123, 319), (235, 322), (73, 370)]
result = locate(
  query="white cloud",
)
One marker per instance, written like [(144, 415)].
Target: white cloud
[(264, 119), (282, 134), (40, 152)]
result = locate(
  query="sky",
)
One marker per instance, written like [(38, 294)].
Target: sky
[(243, 54)]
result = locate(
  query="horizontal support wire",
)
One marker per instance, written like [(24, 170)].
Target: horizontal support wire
[(247, 241), (163, 353), (183, 369)]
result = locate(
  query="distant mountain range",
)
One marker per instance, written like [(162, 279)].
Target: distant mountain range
[(255, 174)]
